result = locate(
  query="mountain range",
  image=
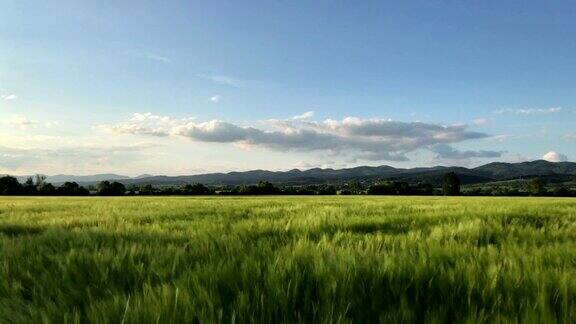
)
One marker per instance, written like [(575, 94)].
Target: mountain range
[(496, 171)]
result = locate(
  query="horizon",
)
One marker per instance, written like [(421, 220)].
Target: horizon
[(183, 88), (145, 175)]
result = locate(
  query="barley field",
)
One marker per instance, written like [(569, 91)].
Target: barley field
[(287, 259)]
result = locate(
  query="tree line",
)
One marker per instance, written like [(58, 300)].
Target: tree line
[(451, 186)]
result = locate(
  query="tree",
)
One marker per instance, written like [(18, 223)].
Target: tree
[(71, 189), (43, 187), (29, 188), (146, 190), (267, 188), (263, 188), (10, 186), (105, 188), (47, 189), (195, 189), (327, 190), (537, 187), (384, 188), (39, 180), (356, 188), (451, 186), (562, 192)]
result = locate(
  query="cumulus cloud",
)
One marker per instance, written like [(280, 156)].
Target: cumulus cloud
[(554, 157), (21, 122), (215, 98), (8, 97), (529, 111), (306, 115), (146, 124), (445, 151), (366, 139)]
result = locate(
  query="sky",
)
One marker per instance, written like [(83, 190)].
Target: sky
[(187, 87)]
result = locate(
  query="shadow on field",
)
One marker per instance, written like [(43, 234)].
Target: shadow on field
[(18, 230), (384, 228)]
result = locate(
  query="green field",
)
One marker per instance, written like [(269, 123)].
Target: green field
[(287, 259)]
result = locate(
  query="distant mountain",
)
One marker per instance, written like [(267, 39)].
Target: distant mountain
[(61, 178), (87, 179), (497, 171), (143, 176), (527, 169), (562, 171)]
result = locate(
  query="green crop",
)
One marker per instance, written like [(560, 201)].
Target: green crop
[(287, 259)]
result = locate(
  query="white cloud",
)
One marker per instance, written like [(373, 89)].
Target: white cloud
[(306, 115), (554, 157), (215, 98), (223, 80), (21, 121), (570, 137), (8, 97), (51, 124), (24, 122), (17, 158), (145, 124), (481, 121), (158, 58), (529, 111), (151, 56), (366, 139), (503, 137), (304, 165)]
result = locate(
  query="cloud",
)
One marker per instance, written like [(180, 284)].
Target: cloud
[(151, 57), (21, 121), (51, 124), (444, 151), (306, 115), (158, 58), (304, 165), (481, 121), (570, 137), (529, 111), (24, 122), (14, 158), (554, 157), (8, 97), (215, 98), (145, 124), (223, 80), (366, 139)]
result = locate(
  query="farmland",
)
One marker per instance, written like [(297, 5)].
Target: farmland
[(287, 259)]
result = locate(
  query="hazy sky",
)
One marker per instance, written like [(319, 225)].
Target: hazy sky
[(181, 87)]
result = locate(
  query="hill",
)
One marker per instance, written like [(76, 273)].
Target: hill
[(562, 171), (496, 171)]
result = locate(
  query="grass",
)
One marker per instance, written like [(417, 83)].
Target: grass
[(287, 259)]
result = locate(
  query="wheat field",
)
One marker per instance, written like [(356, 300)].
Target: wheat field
[(287, 259)]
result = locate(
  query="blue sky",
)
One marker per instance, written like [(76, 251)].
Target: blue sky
[(178, 87)]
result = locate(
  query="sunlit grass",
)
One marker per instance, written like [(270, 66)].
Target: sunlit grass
[(287, 259)]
